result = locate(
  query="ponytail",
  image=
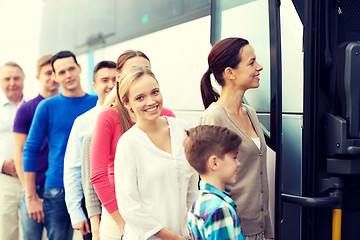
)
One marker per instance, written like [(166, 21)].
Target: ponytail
[(208, 94), (124, 117), (225, 53)]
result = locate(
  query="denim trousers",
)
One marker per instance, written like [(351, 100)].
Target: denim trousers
[(32, 230), (57, 219)]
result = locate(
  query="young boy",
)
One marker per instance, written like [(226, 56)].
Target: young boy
[(212, 152)]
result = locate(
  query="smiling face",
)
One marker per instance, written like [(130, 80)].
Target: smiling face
[(145, 98), (228, 168), (104, 82), (47, 79), (12, 82), (246, 74), (67, 73)]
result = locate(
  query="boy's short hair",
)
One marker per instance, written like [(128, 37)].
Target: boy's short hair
[(44, 60), (204, 141)]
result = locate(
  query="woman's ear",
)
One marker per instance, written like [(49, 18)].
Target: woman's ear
[(117, 75), (126, 105), (229, 73)]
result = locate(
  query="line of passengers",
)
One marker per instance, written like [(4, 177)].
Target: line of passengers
[(121, 166)]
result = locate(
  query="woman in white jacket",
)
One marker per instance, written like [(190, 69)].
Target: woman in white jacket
[(155, 186)]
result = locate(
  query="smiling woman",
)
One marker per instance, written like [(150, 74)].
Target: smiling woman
[(161, 162)]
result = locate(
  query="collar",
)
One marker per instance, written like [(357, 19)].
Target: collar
[(206, 187), (5, 102)]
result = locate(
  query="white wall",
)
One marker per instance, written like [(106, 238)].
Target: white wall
[(178, 58), (19, 38)]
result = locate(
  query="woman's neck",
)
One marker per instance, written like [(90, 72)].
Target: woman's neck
[(231, 100), (150, 126)]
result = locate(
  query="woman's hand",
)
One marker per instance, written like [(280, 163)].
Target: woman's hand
[(95, 236), (168, 235)]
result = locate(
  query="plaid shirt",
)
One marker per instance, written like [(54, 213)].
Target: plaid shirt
[(213, 215)]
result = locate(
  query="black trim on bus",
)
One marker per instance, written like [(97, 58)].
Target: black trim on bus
[(276, 106), (310, 141)]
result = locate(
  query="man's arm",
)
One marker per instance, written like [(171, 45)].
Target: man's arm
[(34, 204), (19, 142), (95, 226), (92, 202), (72, 179), (33, 143)]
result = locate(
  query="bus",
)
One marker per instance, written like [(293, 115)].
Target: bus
[(308, 99)]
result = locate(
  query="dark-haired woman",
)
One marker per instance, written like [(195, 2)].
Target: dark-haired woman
[(233, 63)]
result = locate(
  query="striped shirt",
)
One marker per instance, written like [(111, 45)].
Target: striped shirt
[(213, 215)]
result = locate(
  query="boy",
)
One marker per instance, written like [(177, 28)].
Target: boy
[(212, 152)]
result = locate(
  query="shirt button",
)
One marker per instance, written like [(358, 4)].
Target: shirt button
[(260, 173), (260, 154)]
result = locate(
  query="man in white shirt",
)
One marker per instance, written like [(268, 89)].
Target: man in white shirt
[(12, 84), (104, 81)]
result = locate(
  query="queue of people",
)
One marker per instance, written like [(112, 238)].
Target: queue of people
[(120, 165)]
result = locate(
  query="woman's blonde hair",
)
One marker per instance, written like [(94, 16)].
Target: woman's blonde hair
[(122, 91)]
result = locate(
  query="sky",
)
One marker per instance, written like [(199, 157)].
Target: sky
[(20, 22)]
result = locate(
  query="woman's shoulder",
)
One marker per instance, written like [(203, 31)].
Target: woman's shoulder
[(134, 133), (128, 137), (214, 110), (108, 114), (214, 114), (178, 122)]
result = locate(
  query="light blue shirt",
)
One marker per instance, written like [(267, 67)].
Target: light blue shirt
[(7, 115), (83, 124)]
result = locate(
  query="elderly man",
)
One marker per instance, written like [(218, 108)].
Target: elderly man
[(12, 84)]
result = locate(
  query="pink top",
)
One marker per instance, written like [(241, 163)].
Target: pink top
[(106, 134)]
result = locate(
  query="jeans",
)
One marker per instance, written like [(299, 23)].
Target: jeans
[(32, 230), (57, 220)]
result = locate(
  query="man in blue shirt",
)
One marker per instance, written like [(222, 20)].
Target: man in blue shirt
[(32, 230), (53, 120)]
